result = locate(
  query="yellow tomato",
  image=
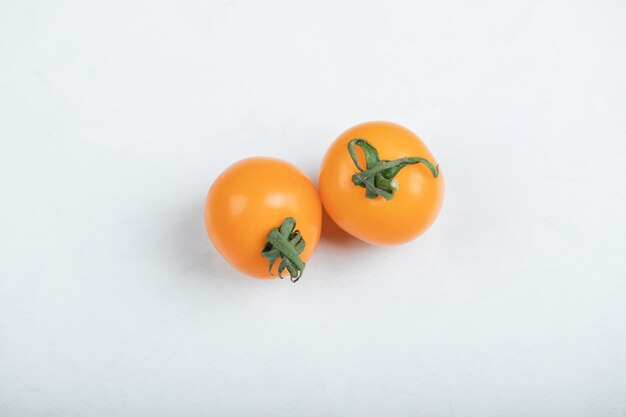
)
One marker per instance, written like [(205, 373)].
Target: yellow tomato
[(380, 183), (250, 214)]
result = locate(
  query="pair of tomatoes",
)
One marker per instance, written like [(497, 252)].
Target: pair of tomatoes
[(378, 182)]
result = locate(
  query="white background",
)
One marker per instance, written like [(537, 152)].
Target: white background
[(116, 116)]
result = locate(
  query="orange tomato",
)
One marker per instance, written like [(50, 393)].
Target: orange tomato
[(249, 215), (389, 197)]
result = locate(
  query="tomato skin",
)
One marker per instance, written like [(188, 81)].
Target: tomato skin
[(251, 197), (413, 208)]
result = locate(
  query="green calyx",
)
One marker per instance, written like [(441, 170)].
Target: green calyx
[(378, 176), (286, 243)]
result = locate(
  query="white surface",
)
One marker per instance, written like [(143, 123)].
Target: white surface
[(116, 116)]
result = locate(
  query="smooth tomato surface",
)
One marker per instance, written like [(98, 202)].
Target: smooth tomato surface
[(412, 209), (248, 199)]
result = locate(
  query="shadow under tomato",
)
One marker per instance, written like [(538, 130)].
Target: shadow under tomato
[(336, 236)]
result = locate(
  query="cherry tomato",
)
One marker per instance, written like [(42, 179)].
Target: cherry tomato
[(380, 183), (265, 217)]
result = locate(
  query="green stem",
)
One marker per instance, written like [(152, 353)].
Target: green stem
[(378, 178), (287, 244)]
